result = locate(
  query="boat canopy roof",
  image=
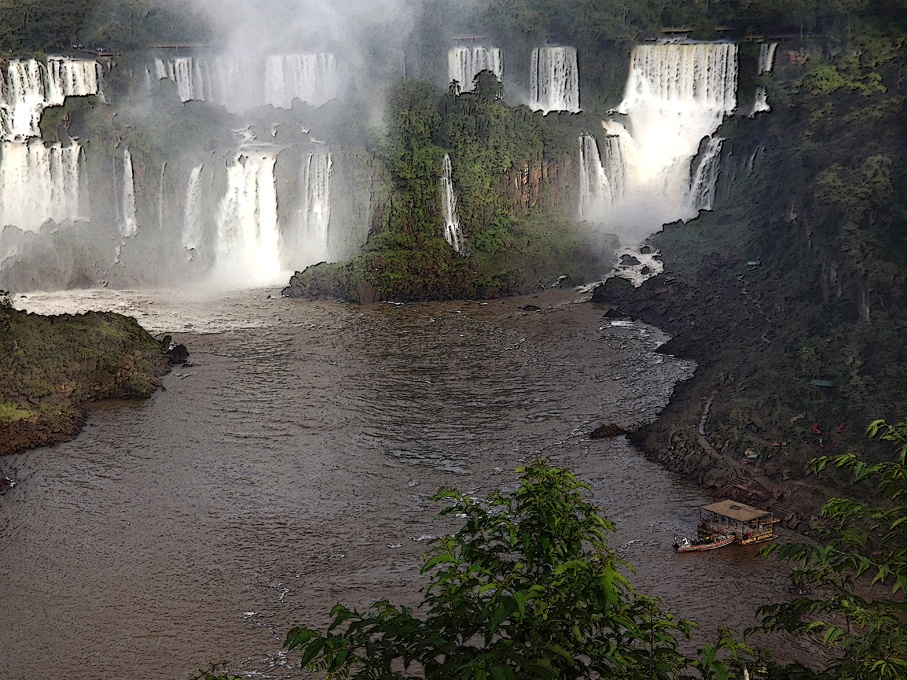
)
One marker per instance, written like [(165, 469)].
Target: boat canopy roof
[(736, 511)]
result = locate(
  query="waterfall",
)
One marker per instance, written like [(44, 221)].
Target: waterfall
[(38, 182), (189, 74), (554, 80), (595, 189), (766, 57), (601, 181), (24, 98), (705, 177), (676, 95), (29, 86), (315, 208), (72, 78), (243, 84), (465, 63), (309, 77), (453, 233), (615, 166), (160, 198), (766, 64), (128, 224), (193, 211), (236, 83), (679, 78), (248, 233)]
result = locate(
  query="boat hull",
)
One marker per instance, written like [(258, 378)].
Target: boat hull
[(685, 545)]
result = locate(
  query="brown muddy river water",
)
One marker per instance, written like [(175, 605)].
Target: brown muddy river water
[(291, 468)]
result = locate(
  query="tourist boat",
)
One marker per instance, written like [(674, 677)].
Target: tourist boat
[(744, 523), (684, 544)]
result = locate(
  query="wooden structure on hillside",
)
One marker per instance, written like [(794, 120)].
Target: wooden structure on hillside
[(746, 523)]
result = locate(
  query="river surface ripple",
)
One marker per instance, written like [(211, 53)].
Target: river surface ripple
[(291, 467)]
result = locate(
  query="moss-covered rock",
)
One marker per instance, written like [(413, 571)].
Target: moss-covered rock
[(50, 365)]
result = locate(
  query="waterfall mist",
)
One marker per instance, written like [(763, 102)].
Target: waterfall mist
[(241, 161), (240, 213)]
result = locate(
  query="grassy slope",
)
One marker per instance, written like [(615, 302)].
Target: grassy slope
[(49, 365)]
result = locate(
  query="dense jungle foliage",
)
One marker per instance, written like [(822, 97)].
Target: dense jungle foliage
[(500, 155)]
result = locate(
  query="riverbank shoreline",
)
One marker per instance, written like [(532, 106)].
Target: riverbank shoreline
[(708, 432)]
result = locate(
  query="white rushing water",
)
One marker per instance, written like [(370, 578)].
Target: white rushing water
[(242, 84), (705, 177), (602, 180), (766, 64), (315, 209), (129, 225), (465, 63), (39, 182), (161, 198), (191, 237), (248, 233), (676, 95), (28, 86), (453, 232), (554, 79)]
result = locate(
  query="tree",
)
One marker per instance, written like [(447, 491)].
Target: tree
[(859, 575), (527, 588), (487, 87)]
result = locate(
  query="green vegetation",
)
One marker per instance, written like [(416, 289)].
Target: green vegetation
[(49, 365), (54, 25), (856, 578), (509, 206), (527, 588)]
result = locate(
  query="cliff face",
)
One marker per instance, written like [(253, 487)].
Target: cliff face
[(543, 184), (792, 294)]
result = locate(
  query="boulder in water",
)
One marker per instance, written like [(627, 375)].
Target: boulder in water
[(178, 354), (607, 431)]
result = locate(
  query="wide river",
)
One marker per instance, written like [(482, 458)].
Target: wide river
[(291, 467)]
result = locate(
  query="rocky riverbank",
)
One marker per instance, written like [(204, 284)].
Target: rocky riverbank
[(756, 412), (51, 365), (713, 431)]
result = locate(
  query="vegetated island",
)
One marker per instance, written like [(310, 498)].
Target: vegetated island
[(51, 365)]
